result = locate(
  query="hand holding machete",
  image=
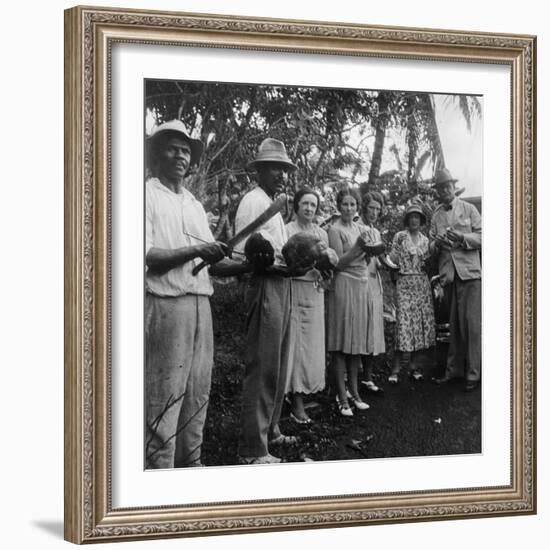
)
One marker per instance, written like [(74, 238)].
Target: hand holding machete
[(277, 205)]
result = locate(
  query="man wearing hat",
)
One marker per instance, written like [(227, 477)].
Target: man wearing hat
[(456, 239), (268, 302), (178, 323)]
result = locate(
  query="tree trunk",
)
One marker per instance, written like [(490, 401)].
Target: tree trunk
[(434, 134), (379, 138), (412, 145)]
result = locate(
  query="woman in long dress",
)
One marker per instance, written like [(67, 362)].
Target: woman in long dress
[(306, 373), (415, 312), (373, 203), (348, 302)]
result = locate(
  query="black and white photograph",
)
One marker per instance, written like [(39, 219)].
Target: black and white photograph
[(312, 262), (300, 275)]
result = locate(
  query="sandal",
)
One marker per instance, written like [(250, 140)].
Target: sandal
[(393, 379), (302, 421)]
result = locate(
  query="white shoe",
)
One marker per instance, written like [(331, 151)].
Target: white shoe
[(371, 386), (360, 404), (345, 410)]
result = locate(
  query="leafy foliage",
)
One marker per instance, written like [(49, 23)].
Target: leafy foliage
[(336, 137)]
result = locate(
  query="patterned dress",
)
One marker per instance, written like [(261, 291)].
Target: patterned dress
[(415, 312)]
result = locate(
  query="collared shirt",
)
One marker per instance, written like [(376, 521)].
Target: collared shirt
[(252, 205), (172, 220), (464, 258)]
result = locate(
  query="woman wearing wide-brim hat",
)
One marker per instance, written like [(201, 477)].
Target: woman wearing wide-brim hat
[(415, 313)]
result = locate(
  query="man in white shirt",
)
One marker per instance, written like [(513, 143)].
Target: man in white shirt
[(178, 322), (268, 302)]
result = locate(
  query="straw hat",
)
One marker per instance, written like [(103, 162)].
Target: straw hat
[(177, 127), (443, 176), (272, 150)]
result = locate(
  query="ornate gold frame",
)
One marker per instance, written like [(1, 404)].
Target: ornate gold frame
[(89, 34)]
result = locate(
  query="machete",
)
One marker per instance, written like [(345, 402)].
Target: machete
[(277, 205)]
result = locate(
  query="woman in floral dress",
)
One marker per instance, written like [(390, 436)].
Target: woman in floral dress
[(415, 312)]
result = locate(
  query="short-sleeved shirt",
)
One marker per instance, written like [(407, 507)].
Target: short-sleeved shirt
[(252, 205), (175, 220)]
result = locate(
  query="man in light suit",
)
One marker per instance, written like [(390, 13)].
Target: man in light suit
[(456, 240)]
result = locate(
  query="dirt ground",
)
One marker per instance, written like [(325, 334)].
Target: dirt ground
[(408, 419)]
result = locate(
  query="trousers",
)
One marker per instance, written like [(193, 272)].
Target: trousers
[(178, 369), (464, 356), (268, 345)]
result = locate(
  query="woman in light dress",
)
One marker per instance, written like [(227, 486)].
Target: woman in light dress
[(306, 373), (348, 302), (415, 312), (373, 203)]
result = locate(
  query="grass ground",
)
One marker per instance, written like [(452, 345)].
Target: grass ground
[(409, 419)]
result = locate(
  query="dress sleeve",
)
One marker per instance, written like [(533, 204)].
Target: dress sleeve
[(335, 241)]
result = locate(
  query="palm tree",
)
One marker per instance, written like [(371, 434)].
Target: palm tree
[(380, 123), (469, 106)]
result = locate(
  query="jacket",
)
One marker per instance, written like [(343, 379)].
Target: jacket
[(464, 258)]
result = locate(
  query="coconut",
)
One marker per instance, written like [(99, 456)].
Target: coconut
[(303, 250), (259, 251), (374, 249), (328, 260)]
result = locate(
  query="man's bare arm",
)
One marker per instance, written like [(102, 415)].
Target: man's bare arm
[(229, 268)]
